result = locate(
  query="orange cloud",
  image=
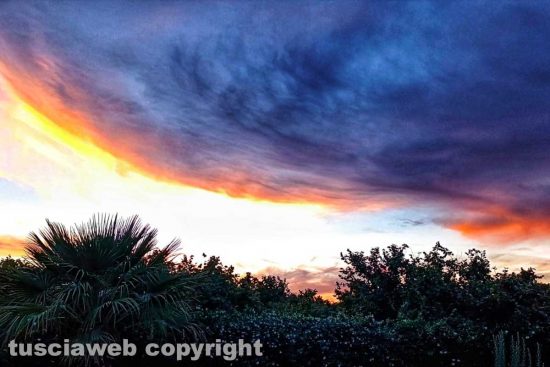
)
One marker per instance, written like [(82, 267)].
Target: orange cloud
[(505, 230), (12, 246), (322, 279), (74, 124), (502, 225)]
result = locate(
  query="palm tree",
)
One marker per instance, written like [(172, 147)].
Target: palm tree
[(100, 281)]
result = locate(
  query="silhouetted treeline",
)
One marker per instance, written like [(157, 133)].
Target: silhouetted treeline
[(106, 280)]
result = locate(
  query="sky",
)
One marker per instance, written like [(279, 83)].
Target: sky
[(277, 135)]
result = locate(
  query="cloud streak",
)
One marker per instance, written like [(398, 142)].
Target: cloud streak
[(353, 105)]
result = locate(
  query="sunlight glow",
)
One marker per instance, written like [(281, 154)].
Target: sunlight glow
[(74, 178)]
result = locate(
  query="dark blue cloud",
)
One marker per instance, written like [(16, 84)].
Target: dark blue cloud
[(353, 102)]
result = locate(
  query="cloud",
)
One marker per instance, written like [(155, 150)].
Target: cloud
[(412, 222), (356, 105), (515, 262), (320, 278), (13, 246)]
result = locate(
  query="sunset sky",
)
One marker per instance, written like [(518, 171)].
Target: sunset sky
[(277, 135)]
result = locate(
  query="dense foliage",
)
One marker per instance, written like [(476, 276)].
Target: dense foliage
[(98, 282), (104, 281)]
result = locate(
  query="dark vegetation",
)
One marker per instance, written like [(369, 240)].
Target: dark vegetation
[(105, 280)]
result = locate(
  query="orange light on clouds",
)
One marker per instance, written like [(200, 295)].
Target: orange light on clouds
[(500, 225), (509, 231), (75, 128), (10, 245), (75, 178)]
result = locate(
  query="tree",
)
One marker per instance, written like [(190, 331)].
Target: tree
[(97, 282), (373, 284)]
